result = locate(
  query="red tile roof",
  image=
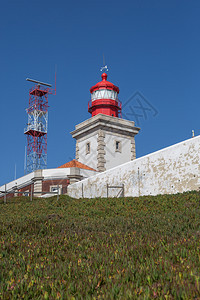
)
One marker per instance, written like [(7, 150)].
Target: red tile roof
[(74, 163)]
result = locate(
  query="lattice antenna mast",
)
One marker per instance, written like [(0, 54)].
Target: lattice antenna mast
[(36, 130)]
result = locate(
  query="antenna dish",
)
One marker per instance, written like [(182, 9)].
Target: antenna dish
[(38, 82)]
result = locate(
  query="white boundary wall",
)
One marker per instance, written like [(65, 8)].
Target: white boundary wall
[(174, 169), (19, 183)]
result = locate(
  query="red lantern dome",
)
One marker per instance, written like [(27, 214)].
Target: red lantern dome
[(104, 98)]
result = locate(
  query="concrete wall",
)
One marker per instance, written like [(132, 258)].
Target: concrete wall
[(87, 173), (170, 170), (89, 159), (112, 157), (55, 173), (19, 182)]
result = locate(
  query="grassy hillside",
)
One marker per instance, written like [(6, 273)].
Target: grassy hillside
[(131, 248)]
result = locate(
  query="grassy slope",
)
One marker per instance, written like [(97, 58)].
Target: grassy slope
[(147, 247)]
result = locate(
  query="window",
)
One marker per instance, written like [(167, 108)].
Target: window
[(87, 148), (104, 94), (55, 188), (118, 146), (26, 193)]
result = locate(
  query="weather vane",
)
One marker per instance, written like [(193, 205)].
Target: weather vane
[(105, 67)]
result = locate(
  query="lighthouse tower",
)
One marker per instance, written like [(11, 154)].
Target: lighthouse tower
[(105, 140)]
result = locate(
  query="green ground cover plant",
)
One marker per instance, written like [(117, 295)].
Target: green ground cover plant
[(120, 248)]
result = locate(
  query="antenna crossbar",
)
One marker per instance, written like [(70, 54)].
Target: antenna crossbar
[(39, 82)]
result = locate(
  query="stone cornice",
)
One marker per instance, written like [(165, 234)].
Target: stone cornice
[(106, 123)]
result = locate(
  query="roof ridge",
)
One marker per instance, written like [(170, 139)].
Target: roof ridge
[(77, 164)]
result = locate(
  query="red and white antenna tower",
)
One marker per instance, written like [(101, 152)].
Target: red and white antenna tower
[(36, 130)]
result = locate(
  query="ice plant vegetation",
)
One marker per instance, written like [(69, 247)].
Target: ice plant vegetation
[(122, 248)]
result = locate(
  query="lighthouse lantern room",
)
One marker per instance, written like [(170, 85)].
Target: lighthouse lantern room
[(104, 99)]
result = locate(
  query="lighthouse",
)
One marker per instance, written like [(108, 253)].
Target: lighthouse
[(105, 140)]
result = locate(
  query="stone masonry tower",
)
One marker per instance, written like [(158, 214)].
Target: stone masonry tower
[(105, 140)]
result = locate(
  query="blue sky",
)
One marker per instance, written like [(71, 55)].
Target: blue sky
[(151, 47)]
